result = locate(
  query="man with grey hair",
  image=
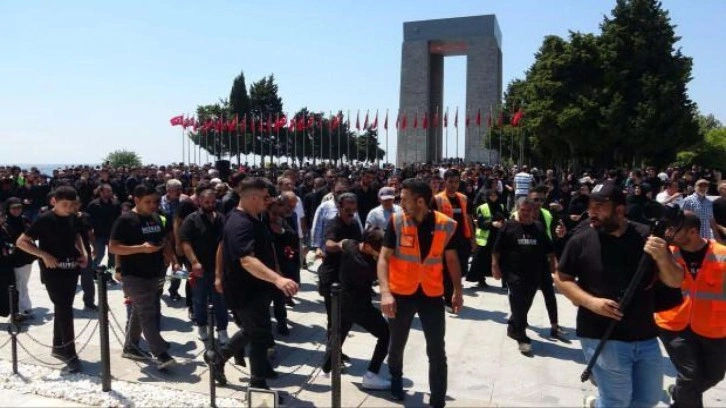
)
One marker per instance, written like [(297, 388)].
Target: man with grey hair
[(168, 206), (381, 216)]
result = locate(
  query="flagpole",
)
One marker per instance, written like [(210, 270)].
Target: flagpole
[(388, 158), (182, 140), (446, 133), (456, 126), (322, 115)]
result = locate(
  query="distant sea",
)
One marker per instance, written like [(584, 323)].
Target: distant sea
[(48, 168)]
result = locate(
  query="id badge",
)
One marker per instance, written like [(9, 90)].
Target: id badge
[(407, 241)]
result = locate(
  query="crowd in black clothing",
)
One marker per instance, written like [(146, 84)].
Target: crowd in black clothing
[(288, 223)]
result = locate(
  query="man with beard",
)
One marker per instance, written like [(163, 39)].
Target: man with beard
[(366, 193), (415, 247), (342, 226), (594, 271), (247, 278), (520, 254), (454, 204), (200, 233), (694, 332)]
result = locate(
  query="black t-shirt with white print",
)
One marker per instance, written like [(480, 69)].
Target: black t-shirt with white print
[(135, 229)]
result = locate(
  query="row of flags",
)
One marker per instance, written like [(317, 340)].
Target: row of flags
[(279, 122)]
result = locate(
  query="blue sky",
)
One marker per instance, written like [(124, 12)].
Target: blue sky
[(81, 78)]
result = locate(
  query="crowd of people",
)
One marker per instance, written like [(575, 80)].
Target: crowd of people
[(416, 232)]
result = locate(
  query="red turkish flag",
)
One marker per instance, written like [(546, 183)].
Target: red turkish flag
[(415, 120), (195, 124), (456, 118), (517, 117), (311, 122), (425, 123), (489, 119), (478, 117), (243, 124), (357, 121), (404, 121), (177, 120), (385, 122), (435, 122), (467, 121), (446, 118), (374, 126), (365, 122)]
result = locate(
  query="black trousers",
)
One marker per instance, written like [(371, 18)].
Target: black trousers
[(700, 362), (521, 295), (254, 319), (548, 291), (463, 251), (481, 264), (61, 286), (358, 310), (433, 322), (278, 307)]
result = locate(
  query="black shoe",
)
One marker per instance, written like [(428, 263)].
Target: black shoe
[(483, 285), (283, 330), (559, 334), (190, 314), (344, 357), (175, 297), (90, 306), (397, 389), (73, 366), (58, 355), (239, 359), (290, 302), (135, 354), (218, 372), (18, 318), (164, 361)]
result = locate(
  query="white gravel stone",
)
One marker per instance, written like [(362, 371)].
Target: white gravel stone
[(86, 390)]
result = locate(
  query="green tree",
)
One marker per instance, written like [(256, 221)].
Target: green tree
[(646, 83), (122, 158), (239, 101)]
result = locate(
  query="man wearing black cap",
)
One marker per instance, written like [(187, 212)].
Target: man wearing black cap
[(594, 271)]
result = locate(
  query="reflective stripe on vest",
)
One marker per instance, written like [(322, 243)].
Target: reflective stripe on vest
[(704, 298), (406, 269), (444, 206)]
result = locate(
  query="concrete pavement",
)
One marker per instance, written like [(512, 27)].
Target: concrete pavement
[(485, 367)]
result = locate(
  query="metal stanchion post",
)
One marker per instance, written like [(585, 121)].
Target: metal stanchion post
[(13, 327), (101, 280), (211, 356), (335, 344)]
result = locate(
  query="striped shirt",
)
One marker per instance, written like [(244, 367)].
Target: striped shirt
[(703, 208), (522, 182)]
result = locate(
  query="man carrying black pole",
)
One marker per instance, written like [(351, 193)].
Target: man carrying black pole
[(596, 267)]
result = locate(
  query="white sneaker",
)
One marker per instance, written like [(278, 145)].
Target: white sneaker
[(223, 337), (372, 381), (589, 401), (202, 333)]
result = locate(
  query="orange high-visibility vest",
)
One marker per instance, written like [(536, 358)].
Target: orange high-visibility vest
[(444, 205), (406, 269), (704, 299)]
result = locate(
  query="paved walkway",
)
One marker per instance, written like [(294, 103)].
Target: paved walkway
[(485, 368)]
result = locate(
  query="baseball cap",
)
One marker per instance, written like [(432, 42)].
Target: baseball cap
[(607, 191), (702, 181), (387, 193)]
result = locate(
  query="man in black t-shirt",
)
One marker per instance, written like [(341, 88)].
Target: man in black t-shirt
[(249, 273), (142, 240), (200, 234), (520, 254), (357, 274), (343, 226), (62, 254), (594, 271)]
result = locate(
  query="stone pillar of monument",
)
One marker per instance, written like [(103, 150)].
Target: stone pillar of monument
[(425, 45)]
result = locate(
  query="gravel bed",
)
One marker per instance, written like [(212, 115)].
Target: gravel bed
[(86, 390)]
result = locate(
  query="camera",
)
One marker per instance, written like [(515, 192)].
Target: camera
[(663, 217)]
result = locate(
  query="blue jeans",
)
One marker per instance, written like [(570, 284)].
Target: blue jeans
[(628, 374), (202, 290), (100, 244)]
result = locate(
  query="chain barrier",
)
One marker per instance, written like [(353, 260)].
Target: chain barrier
[(27, 333), (6, 342), (63, 361)]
